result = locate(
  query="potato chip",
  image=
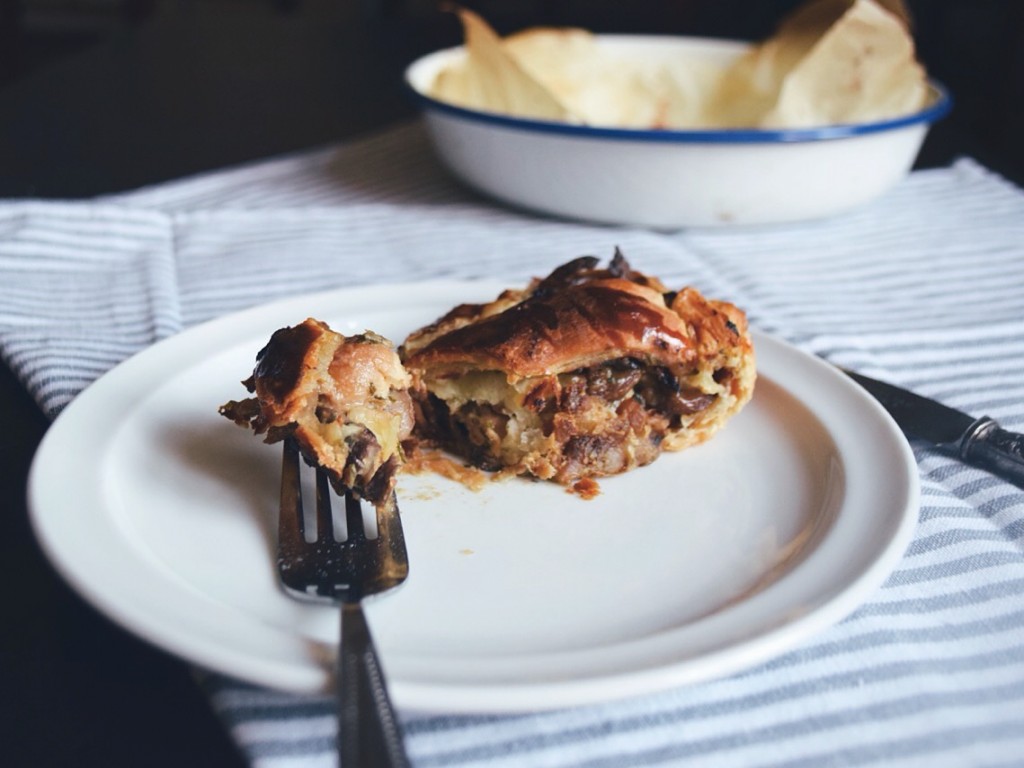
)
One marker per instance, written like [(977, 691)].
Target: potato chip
[(832, 61), (862, 69), (590, 83), (595, 83), (572, 67), (490, 79), (685, 88)]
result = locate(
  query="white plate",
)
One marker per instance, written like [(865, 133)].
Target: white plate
[(520, 597)]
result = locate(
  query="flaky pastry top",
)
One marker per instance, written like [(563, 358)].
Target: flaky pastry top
[(578, 316)]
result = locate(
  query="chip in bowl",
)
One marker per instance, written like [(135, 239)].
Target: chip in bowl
[(669, 132)]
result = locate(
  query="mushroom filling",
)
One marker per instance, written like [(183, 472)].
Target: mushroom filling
[(603, 418)]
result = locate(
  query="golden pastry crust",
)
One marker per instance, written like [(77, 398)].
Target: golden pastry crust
[(586, 373), (344, 400)]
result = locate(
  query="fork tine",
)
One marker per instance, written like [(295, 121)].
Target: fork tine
[(324, 518), (392, 537), (354, 517), (290, 527)]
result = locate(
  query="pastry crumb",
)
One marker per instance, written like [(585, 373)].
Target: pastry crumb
[(586, 488)]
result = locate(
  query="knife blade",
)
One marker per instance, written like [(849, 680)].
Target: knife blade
[(980, 442)]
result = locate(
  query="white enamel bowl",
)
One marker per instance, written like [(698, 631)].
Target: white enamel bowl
[(668, 179)]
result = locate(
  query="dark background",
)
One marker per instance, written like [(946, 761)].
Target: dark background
[(75, 120), (106, 95)]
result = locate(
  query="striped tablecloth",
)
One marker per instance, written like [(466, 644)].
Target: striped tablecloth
[(924, 288)]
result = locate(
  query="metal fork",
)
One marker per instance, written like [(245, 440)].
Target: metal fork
[(344, 572)]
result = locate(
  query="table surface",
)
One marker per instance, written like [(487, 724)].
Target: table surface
[(194, 91)]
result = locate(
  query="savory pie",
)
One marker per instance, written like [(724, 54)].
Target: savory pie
[(586, 373), (344, 400)]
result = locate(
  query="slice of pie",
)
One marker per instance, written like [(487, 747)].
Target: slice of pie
[(586, 373), (344, 400)]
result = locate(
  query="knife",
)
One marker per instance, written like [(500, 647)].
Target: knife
[(981, 442)]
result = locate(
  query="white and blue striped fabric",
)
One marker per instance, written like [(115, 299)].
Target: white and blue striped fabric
[(924, 288)]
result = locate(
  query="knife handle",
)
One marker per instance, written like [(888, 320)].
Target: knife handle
[(996, 449)]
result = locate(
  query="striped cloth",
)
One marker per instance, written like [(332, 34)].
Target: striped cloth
[(924, 288)]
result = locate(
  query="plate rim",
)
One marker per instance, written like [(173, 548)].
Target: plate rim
[(297, 674)]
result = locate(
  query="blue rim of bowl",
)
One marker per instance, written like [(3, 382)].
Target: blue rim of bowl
[(935, 111)]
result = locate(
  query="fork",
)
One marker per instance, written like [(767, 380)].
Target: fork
[(344, 572)]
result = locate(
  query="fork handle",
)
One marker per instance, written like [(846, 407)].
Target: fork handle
[(369, 734)]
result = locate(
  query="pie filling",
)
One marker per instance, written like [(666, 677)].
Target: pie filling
[(343, 400), (594, 421)]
